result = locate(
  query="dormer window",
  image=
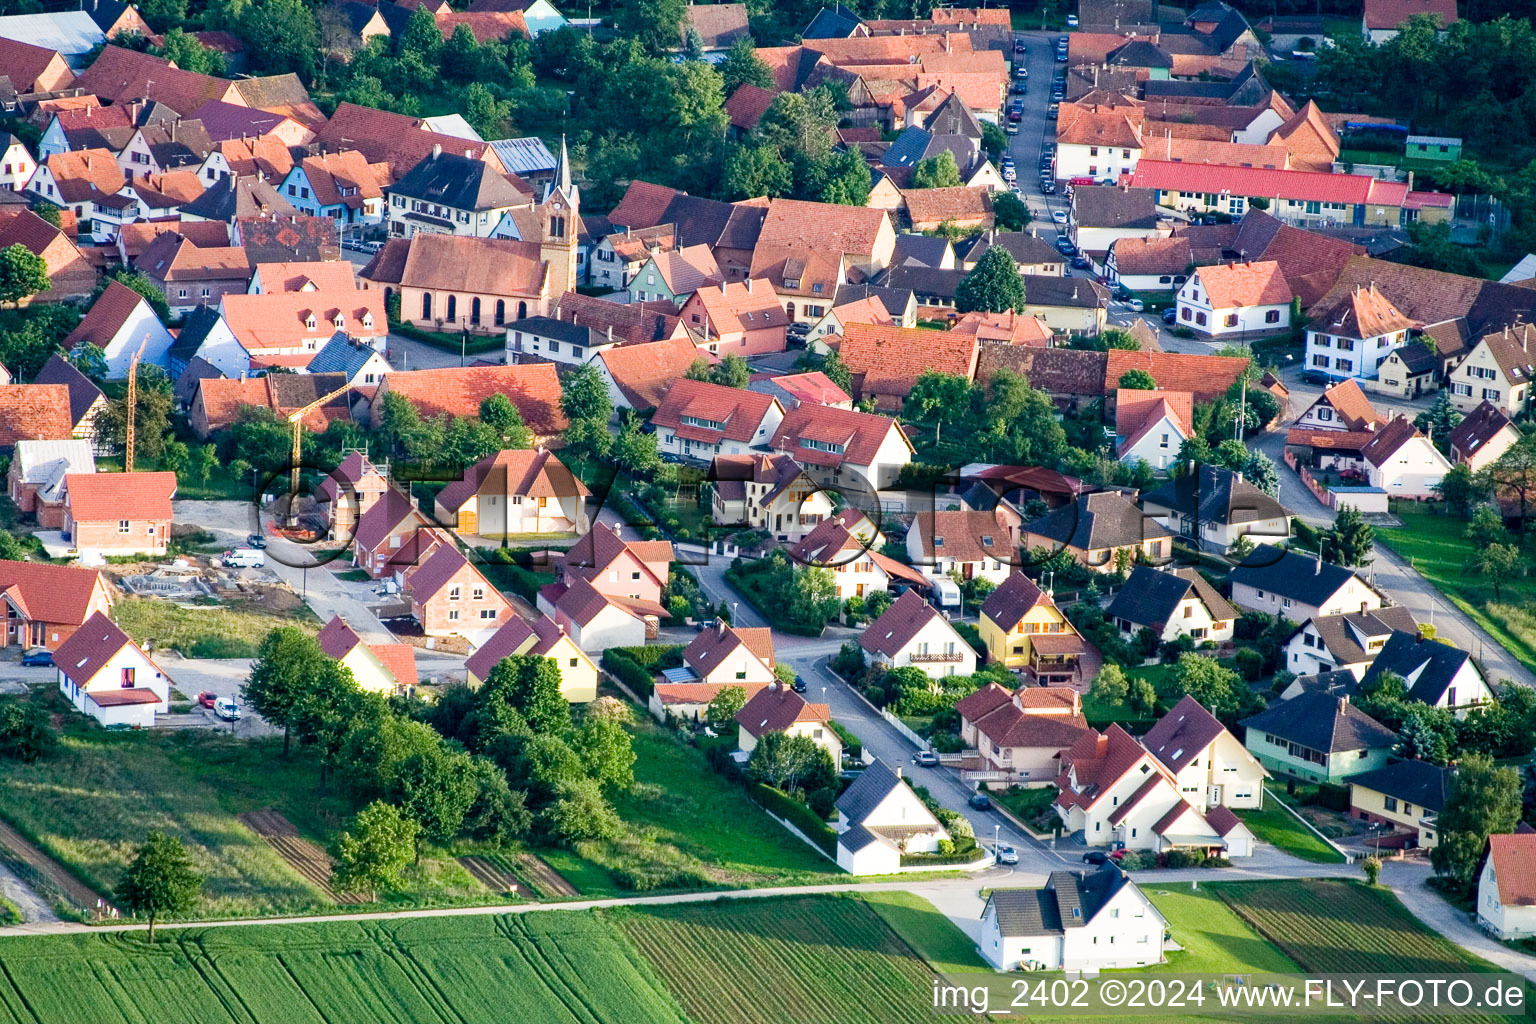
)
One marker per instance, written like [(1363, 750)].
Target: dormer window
[(340, 321), (367, 319), (309, 321)]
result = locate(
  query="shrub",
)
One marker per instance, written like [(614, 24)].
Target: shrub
[(1215, 861), (946, 847), (822, 802), (849, 660), (1181, 859), (1135, 860), (875, 694), (1335, 798), (619, 664), (778, 802), (1250, 663)]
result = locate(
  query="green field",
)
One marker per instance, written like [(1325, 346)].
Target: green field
[(1214, 937), (1278, 827), (804, 959), (931, 935), (1332, 925), (1437, 549), (227, 631)]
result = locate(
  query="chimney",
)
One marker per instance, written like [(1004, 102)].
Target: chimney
[(898, 771), (437, 150), (723, 289), (610, 333), (1317, 569), (749, 286), (721, 624)]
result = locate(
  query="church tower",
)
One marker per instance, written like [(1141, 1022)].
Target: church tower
[(559, 227)]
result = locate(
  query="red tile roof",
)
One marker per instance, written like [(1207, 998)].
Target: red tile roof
[(1206, 377), (1381, 15), (748, 104), (337, 638), (433, 574), (887, 360), (643, 205), (1351, 405), (776, 708), (399, 660), (1237, 285), (513, 638), (487, 266), (701, 693), (108, 497), (281, 319), (860, 434), (49, 593), (1313, 186), (814, 387), (25, 63), (487, 26), (88, 650), (826, 227), (735, 307), (107, 316), (899, 624), (382, 519), (1015, 598), (34, 412), (388, 138), (969, 536), (1135, 409), (1388, 440), (86, 175), (738, 412), (1514, 868), (1080, 125), (458, 391), (643, 373), (122, 75), (708, 651), (533, 474)]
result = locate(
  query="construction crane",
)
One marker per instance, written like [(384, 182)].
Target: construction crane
[(296, 418), (133, 404)]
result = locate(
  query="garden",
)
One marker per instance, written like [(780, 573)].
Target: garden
[(232, 629)]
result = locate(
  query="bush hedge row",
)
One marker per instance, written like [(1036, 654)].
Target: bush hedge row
[(776, 801)]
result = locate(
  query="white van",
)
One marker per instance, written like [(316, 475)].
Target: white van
[(245, 558)]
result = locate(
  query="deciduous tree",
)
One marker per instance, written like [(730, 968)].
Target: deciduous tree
[(159, 880), (292, 681), (373, 853), (531, 686), (1484, 800), (1350, 540), (721, 713), (937, 171), (23, 274), (1138, 380), (993, 285)]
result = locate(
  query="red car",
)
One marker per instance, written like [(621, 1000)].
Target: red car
[(206, 698)]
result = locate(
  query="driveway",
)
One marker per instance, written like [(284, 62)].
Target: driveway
[(1457, 925)]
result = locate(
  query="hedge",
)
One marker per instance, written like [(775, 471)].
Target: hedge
[(626, 671), (737, 579), (653, 655), (940, 859), (776, 801), (1335, 798), (475, 343)]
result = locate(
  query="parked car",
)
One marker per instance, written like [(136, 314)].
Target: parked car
[(40, 658), (1136, 305), (1059, 216), (1014, 116), (1055, 108), (926, 758), (1322, 378), (1007, 855), (1071, 21), (1048, 187), (255, 540), (245, 558), (1095, 857), (1081, 263), (1019, 47), (1012, 128), (1010, 175), (981, 801), (227, 709), (799, 685), (1021, 72), (1061, 56), (1065, 247), (207, 699), (1170, 315)]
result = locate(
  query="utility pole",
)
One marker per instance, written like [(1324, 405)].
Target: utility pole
[(1242, 413)]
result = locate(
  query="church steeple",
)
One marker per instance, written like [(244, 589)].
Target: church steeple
[(562, 179), (560, 223)]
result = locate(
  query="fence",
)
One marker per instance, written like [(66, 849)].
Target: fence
[(904, 729), (1319, 492)]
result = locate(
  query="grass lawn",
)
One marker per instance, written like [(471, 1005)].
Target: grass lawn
[(231, 630), (1026, 803), (931, 935), (221, 486), (689, 827), (1435, 546), (1276, 826), (1101, 715), (1214, 938), (354, 576)]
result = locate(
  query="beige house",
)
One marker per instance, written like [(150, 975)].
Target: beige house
[(1405, 796), (1498, 369), (515, 492), (378, 668), (977, 545), (1482, 437), (1172, 603), (1020, 734), (731, 656), (779, 709), (1506, 887), (766, 492), (542, 638)]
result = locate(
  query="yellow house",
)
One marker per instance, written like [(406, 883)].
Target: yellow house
[(1023, 629), (777, 708), (378, 668), (1407, 796), (578, 674)]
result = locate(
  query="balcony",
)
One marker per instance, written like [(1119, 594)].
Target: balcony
[(927, 659)]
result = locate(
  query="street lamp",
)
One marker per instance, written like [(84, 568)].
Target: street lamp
[(997, 838)]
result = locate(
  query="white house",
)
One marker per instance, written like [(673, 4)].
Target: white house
[(1348, 642), (1297, 586), (364, 365), (1482, 437), (1506, 887), (104, 674), (1116, 792), (1403, 462), (1235, 299), (515, 491), (879, 819), (1351, 339), (594, 620), (911, 632), (1150, 426), (777, 708), (1172, 603), (378, 668), (1210, 767), (849, 545), (1343, 406), (731, 655), (1080, 921), (854, 452), (541, 338), (978, 545), (16, 164), (699, 420), (1214, 507), (1436, 673), (119, 322)]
